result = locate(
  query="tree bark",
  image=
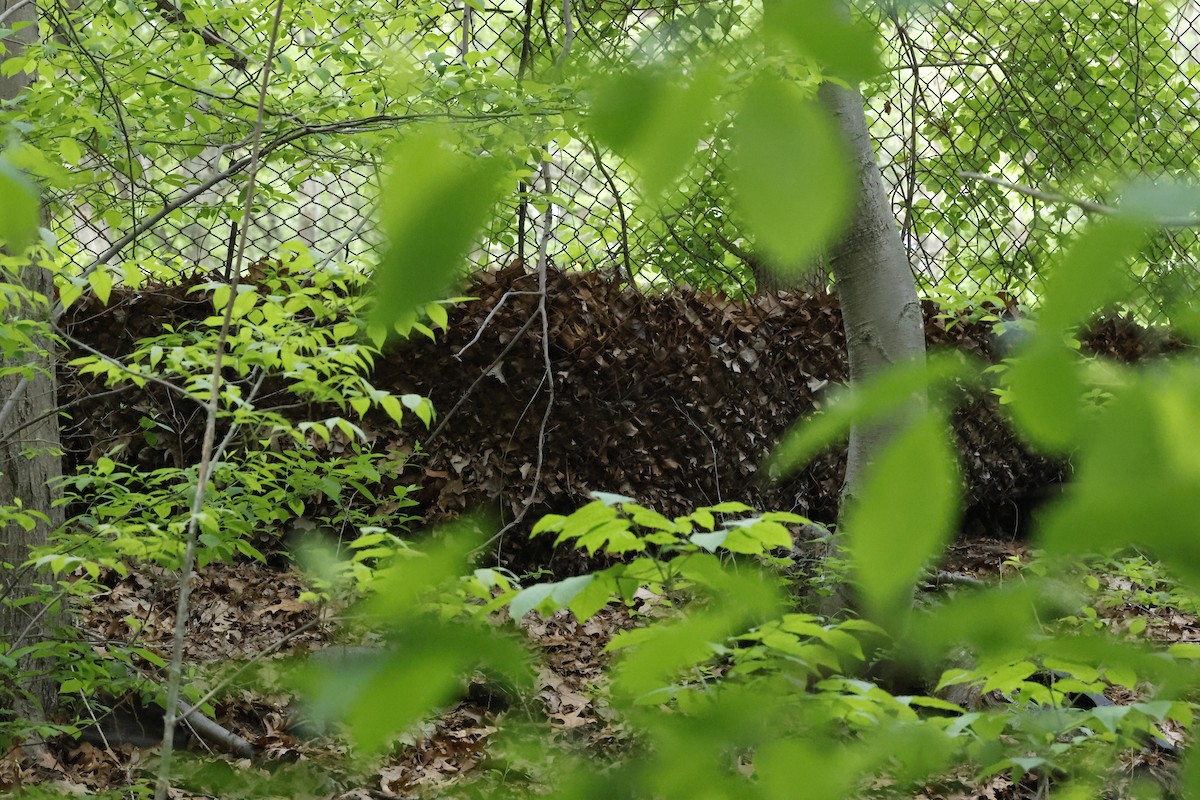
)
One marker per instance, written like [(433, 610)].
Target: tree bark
[(769, 280), (881, 313), (30, 464)]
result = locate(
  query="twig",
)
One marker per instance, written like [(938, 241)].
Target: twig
[(61, 408), (8, 12), (95, 722), (258, 376), (712, 446), (543, 270), (33, 620), (344, 244), (610, 179), (470, 389), (211, 731), (526, 43), (1086, 205), (345, 126), (114, 362), (365, 125), (910, 190), (257, 657), (488, 319), (944, 578), (464, 45), (175, 671), (235, 58), (230, 246), (568, 34)]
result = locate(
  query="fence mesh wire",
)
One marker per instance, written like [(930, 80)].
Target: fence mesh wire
[(1063, 97)]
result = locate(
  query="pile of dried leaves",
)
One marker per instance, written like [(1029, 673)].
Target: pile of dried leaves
[(672, 398)]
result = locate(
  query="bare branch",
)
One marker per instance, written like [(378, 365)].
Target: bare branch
[(543, 266), (1085, 205), (209, 451), (225, 52)]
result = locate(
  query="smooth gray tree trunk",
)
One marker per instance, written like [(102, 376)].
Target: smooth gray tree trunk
[(881, 313), (30, 464)]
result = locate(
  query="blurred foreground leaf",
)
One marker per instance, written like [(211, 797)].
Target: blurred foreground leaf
[(21, 213), (791, 173), (823, 31), (427, 659), (875, 398), (906, 513), (654, 119), (432, 206)]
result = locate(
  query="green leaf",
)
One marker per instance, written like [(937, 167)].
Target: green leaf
[(1007, 677), (1137, 477), (709, 541), (247, 549), (822, 30), (613, 536), (653, 118), (101, 282), (399, 586), (247, 298), (438, 315), (772, 534), (21, 211), (648, 518), (432, 206), (738, 540), (610, 499), (1046, 390), (1093, 273), (596, 594), (528, 599), (1110, 716), (1153, 202), (729, 507), (905, 514), (662, 650), (791, 176), (568, 589), (931, 702), (68, 290), (391, 407), (381, 695), (550, 522), (875, 398), (419, 405)]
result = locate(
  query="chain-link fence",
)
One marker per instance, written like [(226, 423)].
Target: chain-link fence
[(1063, 97)]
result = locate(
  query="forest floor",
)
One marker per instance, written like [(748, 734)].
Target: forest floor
[(244, 613)]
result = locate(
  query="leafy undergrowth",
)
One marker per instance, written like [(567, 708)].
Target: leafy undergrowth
[(467, 750), (245, 614)]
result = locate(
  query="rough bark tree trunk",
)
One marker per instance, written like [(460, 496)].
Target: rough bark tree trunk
[(30, 467), (881, 313), (29, 441)]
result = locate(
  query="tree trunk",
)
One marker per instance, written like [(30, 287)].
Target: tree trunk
[(769, 280), (881, 313), (29, 471), (30, 463)]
